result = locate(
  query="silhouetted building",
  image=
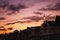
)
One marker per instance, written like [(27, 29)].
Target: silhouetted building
[(57, 20), (44, 32)]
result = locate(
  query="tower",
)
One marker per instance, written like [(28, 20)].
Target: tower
[(44, 17)]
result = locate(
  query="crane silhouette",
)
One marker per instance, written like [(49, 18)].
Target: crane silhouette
[(45, 17)]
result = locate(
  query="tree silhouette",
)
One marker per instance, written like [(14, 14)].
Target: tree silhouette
[(57, 21)]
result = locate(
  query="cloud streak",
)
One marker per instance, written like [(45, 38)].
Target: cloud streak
[(27, 21), (3, 3), (10, 28), (38, 13), (2, 18), (33, 18), (16, 8), (6, 7), (2, 28), (56, 6)]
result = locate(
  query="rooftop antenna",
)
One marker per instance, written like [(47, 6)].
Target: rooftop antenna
[(44, 17)]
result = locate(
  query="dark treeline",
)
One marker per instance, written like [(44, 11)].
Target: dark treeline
[(50, 30)]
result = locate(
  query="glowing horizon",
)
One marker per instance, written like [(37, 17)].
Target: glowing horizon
[(20, 14)]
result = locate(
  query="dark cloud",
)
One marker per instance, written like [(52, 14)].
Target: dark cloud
[(10, 28), (12, 8), (38, 13), (25, 2), (2, 28), (16, 8), (15, 22), (33, 18), (57, 6), (20, 21), (11, 13), (28, 21), (3, 3), (10, 23), (2, 18), (51, 7)]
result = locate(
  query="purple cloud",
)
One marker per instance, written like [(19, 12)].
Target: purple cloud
[(3, 3), (27, 21), (57, 6), (11, 13), (33, 18), (38, 13), (16, 8), (51, 7)]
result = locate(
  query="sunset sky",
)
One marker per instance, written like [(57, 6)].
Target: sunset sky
[(20, 14)]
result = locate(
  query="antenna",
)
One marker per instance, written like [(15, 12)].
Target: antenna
[(44, 17)]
